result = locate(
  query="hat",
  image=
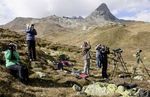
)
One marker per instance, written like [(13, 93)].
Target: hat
[(32, 24)]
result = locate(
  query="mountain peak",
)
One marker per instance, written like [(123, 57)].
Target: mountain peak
[(103, 6), (101, 14)]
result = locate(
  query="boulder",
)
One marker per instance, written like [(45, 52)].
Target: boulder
[(76, 87), (105, 89), (111, 88), (120, 89), (97, 89), (41, 74), (148, 81), (81, 94), (138, 78)]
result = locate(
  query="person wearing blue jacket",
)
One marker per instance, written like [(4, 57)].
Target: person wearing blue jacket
[(98, 56), (30, 37)]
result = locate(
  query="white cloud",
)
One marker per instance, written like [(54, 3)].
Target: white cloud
[(28, 8), (142, 16), (4, 14), (10, 9)]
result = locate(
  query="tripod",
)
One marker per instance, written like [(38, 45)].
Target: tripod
[(118, 59), (139, 60)]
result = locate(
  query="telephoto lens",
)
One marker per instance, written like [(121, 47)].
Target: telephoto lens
[(118, 50)]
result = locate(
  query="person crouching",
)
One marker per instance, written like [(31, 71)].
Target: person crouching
[(12, 63)]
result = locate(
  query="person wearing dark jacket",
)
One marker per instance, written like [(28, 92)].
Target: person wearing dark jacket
[(30, 37), (86, 56), (98, 61), (12, 63), (104, 51)]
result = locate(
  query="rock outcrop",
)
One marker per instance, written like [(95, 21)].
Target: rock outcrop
[(54, 24)]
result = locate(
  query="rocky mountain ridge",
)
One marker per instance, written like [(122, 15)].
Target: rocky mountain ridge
[(101, 16)]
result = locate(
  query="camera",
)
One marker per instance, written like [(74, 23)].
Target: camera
[(12, 47), (139, 51), (118, 50), (104, 49)]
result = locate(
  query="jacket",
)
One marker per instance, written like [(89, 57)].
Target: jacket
[(31, 34), (86, 52), (10, 62)]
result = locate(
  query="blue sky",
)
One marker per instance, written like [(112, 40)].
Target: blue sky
[(123, 9)]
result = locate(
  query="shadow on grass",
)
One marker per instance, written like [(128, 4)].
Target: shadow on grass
[(6, 90), (50, 83)]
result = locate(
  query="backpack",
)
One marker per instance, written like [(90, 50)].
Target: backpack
[(59, 66)]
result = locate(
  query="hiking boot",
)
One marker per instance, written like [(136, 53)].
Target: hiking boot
[(106, 79), (31, 60), (24, 81), (34, 59)]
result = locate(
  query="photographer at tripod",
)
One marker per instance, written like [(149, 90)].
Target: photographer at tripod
[(137, 66)]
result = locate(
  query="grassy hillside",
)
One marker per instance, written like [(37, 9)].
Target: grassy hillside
[(129, 37), (55, 84), (59, 83)]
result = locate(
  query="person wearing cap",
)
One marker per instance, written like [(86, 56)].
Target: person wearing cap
[(30, 37), (12, 63), (86, 57)]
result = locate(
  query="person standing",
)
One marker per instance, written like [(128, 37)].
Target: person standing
[(30, 37), (104, 51), (86, 57), (98, 61)]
